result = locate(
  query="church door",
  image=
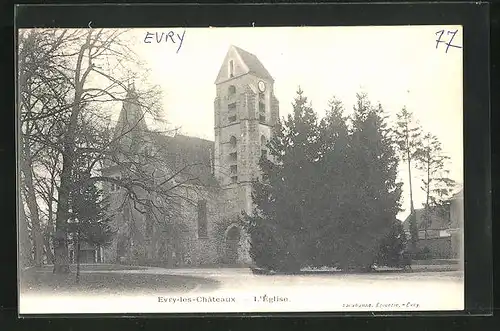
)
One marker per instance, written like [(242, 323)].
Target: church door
[(232, 245)]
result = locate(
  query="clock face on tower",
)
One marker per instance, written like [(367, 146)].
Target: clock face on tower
[(262, 86)]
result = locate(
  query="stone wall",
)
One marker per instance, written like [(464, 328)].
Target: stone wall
[(223, 210), (246, 128), (201, 250), (169, 249)]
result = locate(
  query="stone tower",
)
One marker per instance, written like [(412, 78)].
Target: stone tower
[(246, 111)]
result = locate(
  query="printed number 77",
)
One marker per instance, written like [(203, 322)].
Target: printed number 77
[(449, 43)]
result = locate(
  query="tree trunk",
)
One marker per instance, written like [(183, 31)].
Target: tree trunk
[(170, 256), (30, 197), (50, 226), (78, 256), (98, 254), (427, 211), (48, 249), (26, 169), (408, 157), (61, 258), (25, 258), (61, 264), (413, 221), (150, 243), (412, 208)]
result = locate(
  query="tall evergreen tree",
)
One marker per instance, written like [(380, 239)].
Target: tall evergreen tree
[(89, 222), (437, 184), (333, 186), (373, 201), (284, 197), (408, 136), (327, 196)]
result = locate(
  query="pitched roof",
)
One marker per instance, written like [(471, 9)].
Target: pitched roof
[(439, 219), (251, 62), (189, 155)]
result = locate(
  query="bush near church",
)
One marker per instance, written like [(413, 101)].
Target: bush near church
[(393, 248), (268, 247)]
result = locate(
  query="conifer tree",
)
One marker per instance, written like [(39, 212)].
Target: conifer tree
[(333, 184), (408, 136), (284, 197), (327, 196), (374, 195), (436, 184), (89, 222)]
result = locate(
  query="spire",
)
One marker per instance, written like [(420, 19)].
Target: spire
[(131, 85), (131, 93), (131, 117)]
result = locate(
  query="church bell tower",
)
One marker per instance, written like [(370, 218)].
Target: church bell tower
[(245, 111)]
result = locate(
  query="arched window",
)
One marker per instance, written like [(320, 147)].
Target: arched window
[(263, 146), (114, 186), (231, 113), (231, 90), (232, 141), (234, 170), (262, 111), (233, 233), (231, 68), (202, 219), (233, 153), (263, 141)]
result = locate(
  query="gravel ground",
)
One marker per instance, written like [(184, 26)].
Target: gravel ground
[(108, 279)]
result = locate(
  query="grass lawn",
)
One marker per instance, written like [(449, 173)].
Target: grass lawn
[(99, 267), (107, 279)]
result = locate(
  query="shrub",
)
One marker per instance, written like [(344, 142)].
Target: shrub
[(392, 252), (269, 248)]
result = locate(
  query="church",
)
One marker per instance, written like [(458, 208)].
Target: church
[(188, 210)]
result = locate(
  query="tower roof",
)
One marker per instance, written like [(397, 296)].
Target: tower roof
[(248, 63), (131, 117)]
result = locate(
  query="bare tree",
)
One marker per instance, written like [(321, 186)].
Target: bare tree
[(47, 177), (40, 93), (96, 66), (24, 247)]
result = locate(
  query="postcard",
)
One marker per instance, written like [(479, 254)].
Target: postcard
[(240, 170)]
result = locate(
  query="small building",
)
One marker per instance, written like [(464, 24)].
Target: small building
[(88, 253), (434, 231), (457, 225)]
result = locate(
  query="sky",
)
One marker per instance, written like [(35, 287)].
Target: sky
[(396, 66)]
